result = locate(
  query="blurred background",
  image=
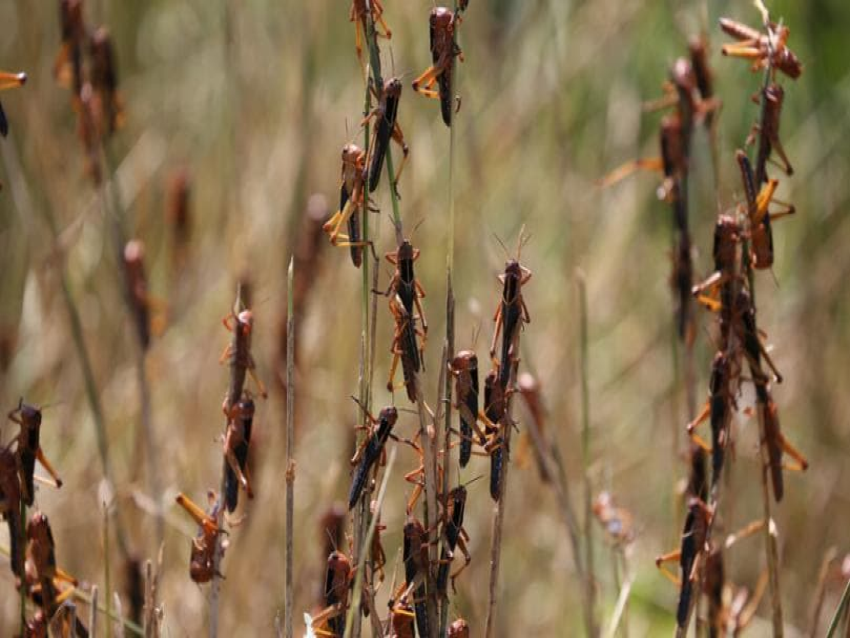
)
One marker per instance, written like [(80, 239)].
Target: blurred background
[(255, 99)]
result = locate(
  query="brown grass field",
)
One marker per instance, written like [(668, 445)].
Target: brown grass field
[(254, 101)]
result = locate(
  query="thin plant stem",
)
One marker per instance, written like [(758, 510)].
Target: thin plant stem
[(22, 536), (839, 611), (107, 575), (590, 596), (290, 442)]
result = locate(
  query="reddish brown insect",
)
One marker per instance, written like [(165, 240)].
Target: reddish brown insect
[(510, 316), (178, 213), (236, 444), (761, 231), (36, 626), (358, 14), (443, 23), (351, 198), (371, 451), (404, 348), (104, 80), (68, 67), (495, 415), (41, 554), (719, 408), (416, 565), (401, 620), (241, 360), (698, 48), (29, 449), (455, 537), (377, 554), (202, 556), (777, 445), (763, 49), (337, 583), (459, 629), (616, 521), (10, 507), (693, 548), (137, 289), (773, 95), (464, 368)]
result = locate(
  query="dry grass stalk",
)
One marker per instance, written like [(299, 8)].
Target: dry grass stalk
[(290, 443)]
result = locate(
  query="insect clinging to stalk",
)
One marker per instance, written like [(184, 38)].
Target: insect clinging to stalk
[(104, 80), (511, 315), (236, 444), (689, 555), (202, 557), (387, 129), (443, 25), (241, 360), (495, 413), (358, 15), (29, 449), (404, 348), (416, 565), (773, 96), (760, 217), (41, 552), (338, 579), (455, 536), (353, 177), (371, 450), (777, 445), (464, 368), (459, 629), (770, 49), (10, 507)]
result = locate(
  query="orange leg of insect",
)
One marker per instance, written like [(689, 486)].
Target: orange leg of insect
[(701, 417), (498, 319), (234, 465), (344, 215), (777, 144), (261, 388), (744, 532), (748, 49), (346, 242), (669, 558), (320, 620), (47, 466), (461, 544), (390, 385), (801, 464), (11, 80), (670, 98), (414, 477), (228, 350), (199, 515), (424, 82), (398, 138)]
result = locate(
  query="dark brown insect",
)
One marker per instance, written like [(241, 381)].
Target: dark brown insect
[(777, 445), (773, 95), (443, 23), (454, 537), (386, 129), (416, 565), (36, 626), (178, 213), (241, 360), (29, 449), (698, 48), (202, 557), (464, 368), (371, 450), (10, 507), (104, 80), (41, 553), (137, 289), (763, 49), (68, 67), (495, 413), (337, 583), (236, 445), (689, 555), (404, 348), (719, 408), (405, 284), (760, 228), (510, 316)]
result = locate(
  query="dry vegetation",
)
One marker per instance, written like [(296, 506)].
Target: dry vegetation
[(181, 156)]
